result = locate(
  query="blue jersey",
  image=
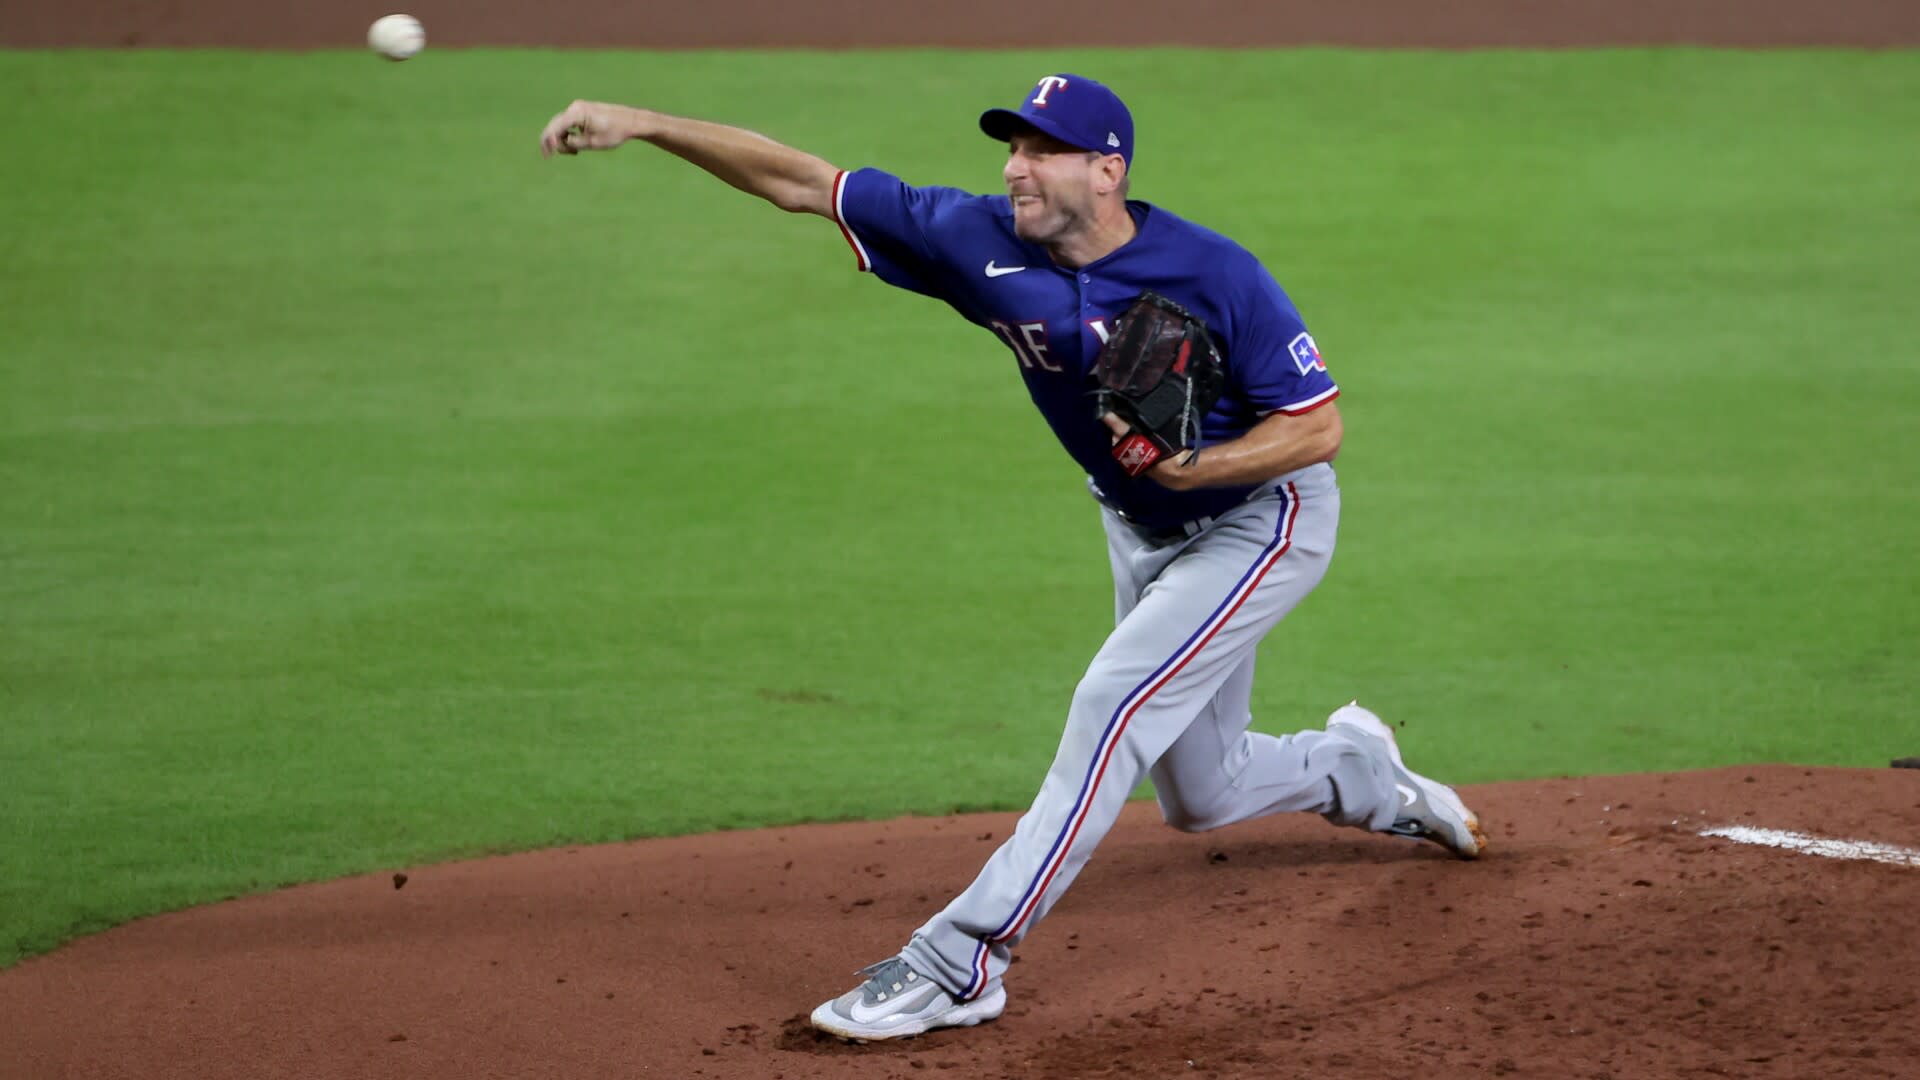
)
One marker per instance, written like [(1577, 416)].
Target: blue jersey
[(961, 248)]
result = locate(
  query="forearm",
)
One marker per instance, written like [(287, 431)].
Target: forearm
[(791, 179), (1276, 446)]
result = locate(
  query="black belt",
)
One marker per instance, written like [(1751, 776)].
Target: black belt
[(1185, 530)]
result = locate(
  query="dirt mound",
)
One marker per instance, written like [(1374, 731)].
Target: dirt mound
[(984, 23), (1605, 937)]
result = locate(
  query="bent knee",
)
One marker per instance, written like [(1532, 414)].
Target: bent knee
[(1193, 819)]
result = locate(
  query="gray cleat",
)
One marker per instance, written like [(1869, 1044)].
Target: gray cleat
[(1429, 810), (897, 1001)]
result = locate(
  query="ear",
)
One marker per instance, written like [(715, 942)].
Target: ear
[(1112, 170)]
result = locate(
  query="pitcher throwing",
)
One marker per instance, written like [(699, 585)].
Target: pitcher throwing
[(1212, 479)]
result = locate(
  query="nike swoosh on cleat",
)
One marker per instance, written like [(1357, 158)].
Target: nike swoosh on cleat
[(894, 1005), (1407, 795), (1000, 271)]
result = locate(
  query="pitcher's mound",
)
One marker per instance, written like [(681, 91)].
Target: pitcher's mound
[(1603, 937)]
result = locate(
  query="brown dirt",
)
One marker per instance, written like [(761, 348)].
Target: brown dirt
[(980, 23), (1604, 938)]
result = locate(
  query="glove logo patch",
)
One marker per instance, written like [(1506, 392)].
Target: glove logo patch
[(1135, 454), (1306, 355)]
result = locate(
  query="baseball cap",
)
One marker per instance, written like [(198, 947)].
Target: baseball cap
[(1072, 108)]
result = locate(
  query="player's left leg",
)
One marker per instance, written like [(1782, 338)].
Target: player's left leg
[(1190, 612), (1202, 608)]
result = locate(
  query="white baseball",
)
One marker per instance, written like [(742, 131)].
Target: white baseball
[(397, 37)]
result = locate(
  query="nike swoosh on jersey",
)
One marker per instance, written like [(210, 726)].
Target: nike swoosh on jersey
[(998, 271)]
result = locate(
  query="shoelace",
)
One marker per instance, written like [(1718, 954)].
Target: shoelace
[(888, 977)]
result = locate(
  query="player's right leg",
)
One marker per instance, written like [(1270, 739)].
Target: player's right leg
[(1218, 772), (1423, 808)]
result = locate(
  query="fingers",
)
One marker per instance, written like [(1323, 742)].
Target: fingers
[(550, 136), (1115, 425), (557, 136), (589, 125)]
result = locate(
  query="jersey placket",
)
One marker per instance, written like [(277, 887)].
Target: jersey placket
[(1088, 317)]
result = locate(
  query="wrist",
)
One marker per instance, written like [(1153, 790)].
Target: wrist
[(1181, 472), (642, 124)]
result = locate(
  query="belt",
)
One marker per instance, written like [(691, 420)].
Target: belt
[(1185, 530)]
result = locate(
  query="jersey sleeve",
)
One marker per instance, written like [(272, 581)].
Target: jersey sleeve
[(890, 224), (1272, 357)]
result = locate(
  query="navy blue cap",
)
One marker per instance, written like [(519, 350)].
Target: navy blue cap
[(1078, 111)]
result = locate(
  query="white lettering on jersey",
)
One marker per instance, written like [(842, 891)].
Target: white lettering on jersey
[(1102, 329), (1036, 335), (1047, 86), (1029, 344)]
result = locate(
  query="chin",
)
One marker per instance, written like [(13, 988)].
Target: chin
[(1035, 231)]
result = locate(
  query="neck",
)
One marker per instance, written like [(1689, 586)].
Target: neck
[(1110, 229)]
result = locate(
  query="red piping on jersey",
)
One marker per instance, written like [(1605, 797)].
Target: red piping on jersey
[(1311, 405), (859, 252)]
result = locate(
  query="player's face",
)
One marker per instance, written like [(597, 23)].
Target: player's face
[(1051, 185)]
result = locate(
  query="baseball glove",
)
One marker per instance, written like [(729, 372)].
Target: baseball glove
[(1160, 372)]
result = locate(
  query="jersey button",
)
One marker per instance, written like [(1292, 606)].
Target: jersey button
[(1085, 280)]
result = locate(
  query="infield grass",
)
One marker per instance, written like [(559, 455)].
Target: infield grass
[(372, 491)]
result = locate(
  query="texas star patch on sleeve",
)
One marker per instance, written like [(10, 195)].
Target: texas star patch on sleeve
[(1306, 355)]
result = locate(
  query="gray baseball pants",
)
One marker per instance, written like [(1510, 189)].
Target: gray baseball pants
[(1168, 696)]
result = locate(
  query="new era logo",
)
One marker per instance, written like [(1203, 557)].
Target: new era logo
[(1113, 140)]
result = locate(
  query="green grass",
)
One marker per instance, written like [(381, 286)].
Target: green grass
[(373, 491)]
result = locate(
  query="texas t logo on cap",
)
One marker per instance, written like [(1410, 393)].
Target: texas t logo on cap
[(1047, 86), (1072, 108)]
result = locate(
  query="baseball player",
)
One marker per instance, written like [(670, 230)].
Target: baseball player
[(1211, 542)]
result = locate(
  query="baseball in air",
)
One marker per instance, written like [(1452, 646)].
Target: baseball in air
[(397, 37)]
